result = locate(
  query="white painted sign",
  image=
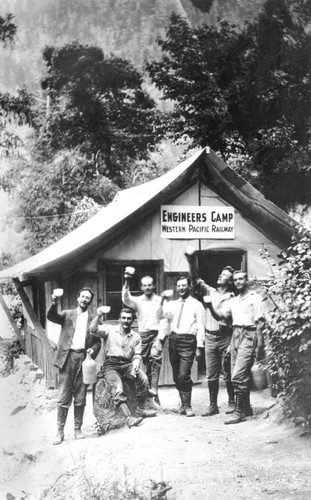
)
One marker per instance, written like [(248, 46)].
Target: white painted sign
[(192, 222)]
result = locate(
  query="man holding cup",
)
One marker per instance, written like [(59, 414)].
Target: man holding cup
[(122, 347), (217, 332), (75, 341), (146, 307), (186, 340)]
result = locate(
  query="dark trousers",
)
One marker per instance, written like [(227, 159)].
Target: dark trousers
[(181, 350), (216, 357), (117, 369), (243, 346), (148, 355), (71, 381)]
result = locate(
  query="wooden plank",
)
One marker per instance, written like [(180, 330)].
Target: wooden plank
[(12, 322), (31, 313), (40, 346)]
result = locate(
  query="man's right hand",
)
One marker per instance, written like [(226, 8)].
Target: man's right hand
[(54, 298)]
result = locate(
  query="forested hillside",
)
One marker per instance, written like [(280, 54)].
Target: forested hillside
[(127, 28)]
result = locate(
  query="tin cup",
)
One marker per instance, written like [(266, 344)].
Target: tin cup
[(104, 309), (190, 250), (129, 271), (207, 299), (168, 293), (58, 292)]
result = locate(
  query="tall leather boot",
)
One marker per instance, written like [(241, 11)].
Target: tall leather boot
[(155, 374), (62, 413), (248, 410), (238, 414), (181, 410), (213, 387), (231, 399), (130, 420), (186, 398), (78, 421), (142, 411)]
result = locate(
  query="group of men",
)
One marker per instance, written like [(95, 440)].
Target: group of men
[(226, 322)]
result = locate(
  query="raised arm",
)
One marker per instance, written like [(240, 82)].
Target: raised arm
[(127, 298), (52, 314), (97, 329)]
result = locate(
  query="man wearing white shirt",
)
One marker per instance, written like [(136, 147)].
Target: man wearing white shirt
[(186, 340), (246, 310), (146, 307)]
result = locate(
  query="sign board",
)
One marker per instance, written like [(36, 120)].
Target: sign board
[(193, 222)]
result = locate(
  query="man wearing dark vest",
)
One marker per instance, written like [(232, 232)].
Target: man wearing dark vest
[(75, 341)]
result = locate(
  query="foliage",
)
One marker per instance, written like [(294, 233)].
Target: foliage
[(18, 107), (289, 326), (7, 29), (96, 103), (54, 197), (252, 86), (87, 488), (12, 350)]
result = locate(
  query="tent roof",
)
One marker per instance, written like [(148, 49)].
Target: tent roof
[(134, 203)]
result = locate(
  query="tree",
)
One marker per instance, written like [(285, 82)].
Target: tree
[(18, 107), (7, 29), (245, 92), (56, 196), (96, 102)]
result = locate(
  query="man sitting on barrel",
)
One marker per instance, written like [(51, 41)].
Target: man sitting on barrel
[(122, 347)]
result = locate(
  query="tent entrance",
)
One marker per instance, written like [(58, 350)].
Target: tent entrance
[(211, 262)]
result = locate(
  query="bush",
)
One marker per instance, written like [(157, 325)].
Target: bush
[(289, 327)]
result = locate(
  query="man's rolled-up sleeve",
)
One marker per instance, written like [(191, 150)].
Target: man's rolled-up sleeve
[(137, 349)]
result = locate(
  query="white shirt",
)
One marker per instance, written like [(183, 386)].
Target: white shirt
[(246, 309), (190, 321), (78, 341), (219, 300), (147, 309)]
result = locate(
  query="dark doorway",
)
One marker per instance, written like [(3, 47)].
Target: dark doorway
[(211, 262)]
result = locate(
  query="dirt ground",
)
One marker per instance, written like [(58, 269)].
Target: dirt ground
[(200, 458)]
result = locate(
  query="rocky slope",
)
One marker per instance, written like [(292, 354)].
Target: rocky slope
[(128, 28)]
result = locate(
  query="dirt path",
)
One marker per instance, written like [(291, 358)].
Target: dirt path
[(201, 458)]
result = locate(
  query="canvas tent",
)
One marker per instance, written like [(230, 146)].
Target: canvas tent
[(201, 202)]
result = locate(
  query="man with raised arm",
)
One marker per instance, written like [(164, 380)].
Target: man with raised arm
[(146, 307), (75, 341), (247, 313), (186, 340), (217, 333), (122, 347)]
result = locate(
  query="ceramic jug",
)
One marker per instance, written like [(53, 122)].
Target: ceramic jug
[(89, 370)]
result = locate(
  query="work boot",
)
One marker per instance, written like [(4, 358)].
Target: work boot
[(231, 400), (155, 374), (130, 420), (78, 420), (213, 387), (238, 414), (142, 411), (186, 398), (181, 410), (248, 410), (62, 413)]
